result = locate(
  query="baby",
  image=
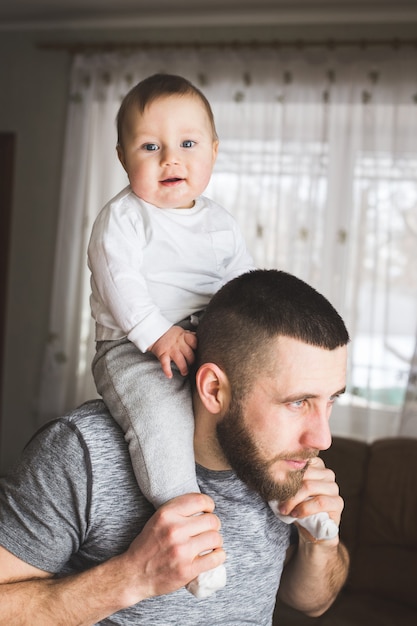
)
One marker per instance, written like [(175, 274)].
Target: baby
[(158, 252)]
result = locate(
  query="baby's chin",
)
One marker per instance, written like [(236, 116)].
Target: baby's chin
[(168, 201)]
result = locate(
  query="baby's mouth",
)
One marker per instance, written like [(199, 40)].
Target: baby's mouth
[(171, 180)]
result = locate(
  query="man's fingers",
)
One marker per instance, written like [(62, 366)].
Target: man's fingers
[(206, 542), (190, 504), (318, 492), (195, 532)]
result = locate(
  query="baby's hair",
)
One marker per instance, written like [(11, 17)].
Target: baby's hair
[(159, 86)]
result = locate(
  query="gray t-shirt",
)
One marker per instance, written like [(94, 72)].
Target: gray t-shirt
[(73, 502)]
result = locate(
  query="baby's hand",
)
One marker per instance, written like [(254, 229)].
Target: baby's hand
[(175, 345)]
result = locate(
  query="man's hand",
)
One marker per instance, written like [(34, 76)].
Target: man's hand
[(319, 492), (175, 345), (176, 545)]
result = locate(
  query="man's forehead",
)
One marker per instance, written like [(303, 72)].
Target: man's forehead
[(307, 366)]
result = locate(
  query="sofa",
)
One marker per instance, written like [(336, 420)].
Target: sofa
[(378, 483)]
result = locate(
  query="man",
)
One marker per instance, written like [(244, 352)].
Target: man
[(80, 543)]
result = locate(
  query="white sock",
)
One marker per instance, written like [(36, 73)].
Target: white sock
[(208, 582), (319, 525)]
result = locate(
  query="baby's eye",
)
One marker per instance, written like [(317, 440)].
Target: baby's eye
[(150, 147), (188, 143)]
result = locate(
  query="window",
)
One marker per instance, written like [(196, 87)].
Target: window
[(359, 250)]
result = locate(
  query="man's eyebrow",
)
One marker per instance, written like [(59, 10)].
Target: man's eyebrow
[(297, 396), (338, 393), (306, 396)]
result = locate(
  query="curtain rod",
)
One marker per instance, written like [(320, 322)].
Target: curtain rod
[(74, 48)]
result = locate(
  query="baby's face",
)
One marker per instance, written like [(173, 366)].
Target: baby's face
[(169, 151)]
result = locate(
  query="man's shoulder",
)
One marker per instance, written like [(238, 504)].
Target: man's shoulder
[(92, 409), (90, 423), (90, 435)]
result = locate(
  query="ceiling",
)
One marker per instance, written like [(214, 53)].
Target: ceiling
[(147, 13)]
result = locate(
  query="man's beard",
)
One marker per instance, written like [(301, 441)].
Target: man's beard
[(242, 453)]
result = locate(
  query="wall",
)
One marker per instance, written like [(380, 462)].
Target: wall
[(32, 105), (33, 92)]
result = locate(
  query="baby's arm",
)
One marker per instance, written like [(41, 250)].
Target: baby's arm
[(175, 345)]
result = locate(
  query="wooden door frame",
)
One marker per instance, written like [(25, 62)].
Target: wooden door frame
[(7, 157)]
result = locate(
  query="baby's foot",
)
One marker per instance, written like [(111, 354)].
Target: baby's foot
[(319, 525), (208, 582)]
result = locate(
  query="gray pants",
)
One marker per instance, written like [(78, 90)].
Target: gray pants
[(155, 414)]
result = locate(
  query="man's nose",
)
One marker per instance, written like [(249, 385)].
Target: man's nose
[(317, 434)]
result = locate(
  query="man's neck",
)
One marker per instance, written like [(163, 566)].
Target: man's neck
[(212, 461), (207, 450)]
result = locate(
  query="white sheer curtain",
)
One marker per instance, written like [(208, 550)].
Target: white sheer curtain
[(318, 162), (409, 411)]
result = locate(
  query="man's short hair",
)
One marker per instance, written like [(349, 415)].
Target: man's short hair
[(242, 318)]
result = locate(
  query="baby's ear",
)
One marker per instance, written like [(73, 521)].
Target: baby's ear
[(213, 388), (215, 149), (121, 155)]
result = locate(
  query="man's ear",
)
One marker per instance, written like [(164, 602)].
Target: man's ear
[(121, 156), (213, 388)]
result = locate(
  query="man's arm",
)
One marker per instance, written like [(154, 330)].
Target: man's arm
[(316, 570), (314, 575), (31, 596), (163, 558)]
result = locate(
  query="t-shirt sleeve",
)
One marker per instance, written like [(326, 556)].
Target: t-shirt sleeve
[(44, 502)]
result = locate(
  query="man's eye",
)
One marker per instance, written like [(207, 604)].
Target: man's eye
[(297, 403), (188, 143), (151, 147)]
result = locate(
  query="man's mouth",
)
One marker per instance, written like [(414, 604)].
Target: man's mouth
[(296, 464)]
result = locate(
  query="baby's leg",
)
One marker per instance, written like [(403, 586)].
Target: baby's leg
[(155, 414)]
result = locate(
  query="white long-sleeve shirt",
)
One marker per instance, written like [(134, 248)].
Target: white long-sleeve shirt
[(152, 267)]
